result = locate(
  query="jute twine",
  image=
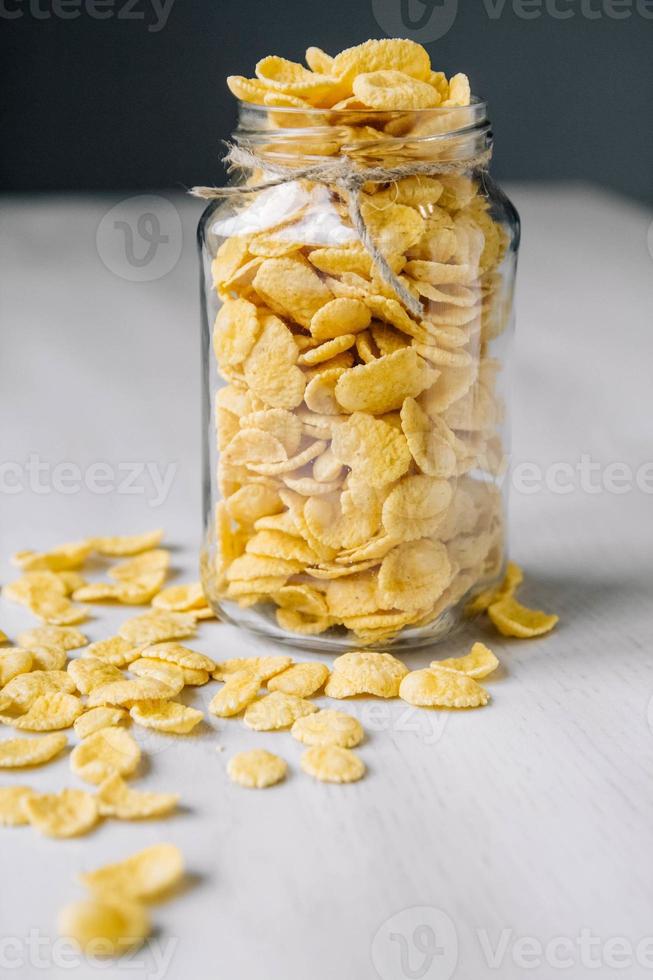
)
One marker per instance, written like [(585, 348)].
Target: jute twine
[(342, 172)]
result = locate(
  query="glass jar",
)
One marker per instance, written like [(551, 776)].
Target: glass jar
[(354, 409)]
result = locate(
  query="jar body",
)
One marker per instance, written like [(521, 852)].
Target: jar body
[(355, 451)]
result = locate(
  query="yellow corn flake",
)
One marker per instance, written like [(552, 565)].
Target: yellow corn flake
[(59, 636), (240, 689), (88, 673), (106, 927), (55, 609), (416, 507), (276, 710), (437, 688), (352, 596), (116, 799), (22, 691), (302, 680), (147, 563), (120, 546), (271, 370), (252, 502), (16, 753), (254, 446), (364, 672), (128, 692), (384, 384), (167, 673), (280, 545), (115, 651), (145, 876), (512, 580), (13, 662), (70, 813), (236, 329), (97, 718), (296, 622), (328, 727), (376, 452), (478, 663), (332, 764), (303, 599), (283, 425), (327, 350), (131, 592), (429, 447), (50, 712), (157, 626), (339, 317), (394, 90), (247, 90), (63, 558), (183, 657), (12, 799), (3, 637), (195, 678), (166, 716), (48, 658), (104, 753), (256, 769), (291, 288), (513, 619), (396, 54), (263, 667), (414, 575), (459, 91)]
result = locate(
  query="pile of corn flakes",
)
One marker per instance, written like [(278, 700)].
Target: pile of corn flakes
[(350, 430)]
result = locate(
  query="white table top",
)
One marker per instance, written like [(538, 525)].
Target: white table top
[(501, 829)]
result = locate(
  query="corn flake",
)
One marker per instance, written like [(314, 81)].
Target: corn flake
[(121, 545), (12, 798), (18, 752), (416, 507), (438, 688), (116, 799), (88, 673), (332, 764), (513, 619), (372, 448), (328, 727), (414, 575), (302, 679), (104, 753), (50, 712), (239, 691), (106, 927), (166, 716), (157, 626), (144, 876), (364, 672), (276, 710), (478, 663), (256, 769), (59, 636), (97, 718), (70, 813), (13, 662)]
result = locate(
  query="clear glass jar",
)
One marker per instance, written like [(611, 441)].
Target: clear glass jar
[(355, 448)]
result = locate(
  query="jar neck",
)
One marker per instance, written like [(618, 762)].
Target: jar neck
[(370, 138)]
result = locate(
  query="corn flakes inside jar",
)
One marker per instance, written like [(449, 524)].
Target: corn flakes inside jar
[(358, 277)]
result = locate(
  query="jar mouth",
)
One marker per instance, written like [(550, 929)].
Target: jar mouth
[(476, 103), (290, 131)]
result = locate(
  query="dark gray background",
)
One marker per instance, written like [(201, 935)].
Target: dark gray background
[(115, 103)]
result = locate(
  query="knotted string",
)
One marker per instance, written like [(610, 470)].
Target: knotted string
[(342, 172)]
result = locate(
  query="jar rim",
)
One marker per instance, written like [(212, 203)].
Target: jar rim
[(475, 102)]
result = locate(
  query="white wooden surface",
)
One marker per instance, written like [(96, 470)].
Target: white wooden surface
[(523, 823)]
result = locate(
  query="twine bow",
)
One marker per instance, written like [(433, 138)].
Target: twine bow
[(342, 172)]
